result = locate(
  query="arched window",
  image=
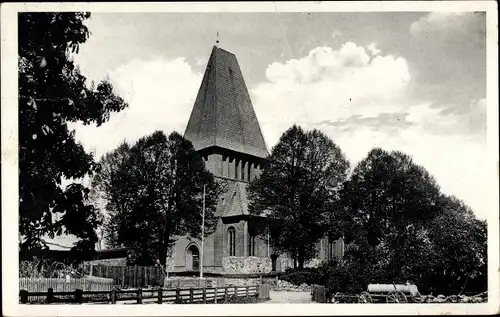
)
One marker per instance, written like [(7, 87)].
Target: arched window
[(251, 245), (231, 239)]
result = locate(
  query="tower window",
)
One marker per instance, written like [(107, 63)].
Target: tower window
[(237, 169), (242, 176), (231, 233)]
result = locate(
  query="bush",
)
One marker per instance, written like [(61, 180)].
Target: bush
[(307, 276), (339, 277)]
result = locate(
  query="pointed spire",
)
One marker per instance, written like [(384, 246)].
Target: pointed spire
[(223, 114), (217, 41)]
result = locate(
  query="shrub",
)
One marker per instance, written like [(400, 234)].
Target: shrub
[(307, 276)]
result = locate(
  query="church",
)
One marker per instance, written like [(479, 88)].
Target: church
[(224, 130)]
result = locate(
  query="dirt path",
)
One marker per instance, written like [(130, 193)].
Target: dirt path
[(290, 297)]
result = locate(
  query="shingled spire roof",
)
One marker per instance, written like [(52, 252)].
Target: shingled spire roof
[(223, 114)]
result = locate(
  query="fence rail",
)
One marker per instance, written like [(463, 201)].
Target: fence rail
[(158, 295)]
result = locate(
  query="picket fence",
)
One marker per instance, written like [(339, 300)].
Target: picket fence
[(87, 284), (130, 276), (65, 285)]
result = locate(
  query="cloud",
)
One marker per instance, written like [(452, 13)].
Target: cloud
[(363, 102), (330, 84), (449, 24), (336, 33), (160, 94), (372, 47)]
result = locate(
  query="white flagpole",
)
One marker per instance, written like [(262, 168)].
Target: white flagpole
[(268, 255), (202, 233)]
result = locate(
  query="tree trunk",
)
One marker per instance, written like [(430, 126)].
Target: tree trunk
[(164, 248), (301, 258)]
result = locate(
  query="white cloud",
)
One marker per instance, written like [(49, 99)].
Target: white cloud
[(160, 94), (336, 33), (372, 47), (331, 85)]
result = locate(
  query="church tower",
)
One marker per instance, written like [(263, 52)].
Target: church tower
[(225, 131)]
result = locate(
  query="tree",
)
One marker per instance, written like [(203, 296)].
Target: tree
[(387, 201), (52, 92), (297, 188), (400, 227), (154, 192), (459, 246)]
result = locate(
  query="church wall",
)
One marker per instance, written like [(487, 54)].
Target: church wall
[(323, 249), (240, 238), (219, 243), (261, 246), (180, 248)]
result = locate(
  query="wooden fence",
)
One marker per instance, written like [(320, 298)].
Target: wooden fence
[(131, 276), (140, 296), (65, 285)]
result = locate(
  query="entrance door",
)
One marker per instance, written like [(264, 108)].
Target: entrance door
[(193, 258)]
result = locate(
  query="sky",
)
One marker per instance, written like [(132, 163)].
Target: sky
[(414, 82)]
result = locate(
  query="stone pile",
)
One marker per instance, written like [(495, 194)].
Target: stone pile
[(285, 286), (480, 298)]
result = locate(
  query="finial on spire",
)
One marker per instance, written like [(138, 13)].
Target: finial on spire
[(217, 41)]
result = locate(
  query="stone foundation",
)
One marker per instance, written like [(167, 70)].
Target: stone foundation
[(251, 264)]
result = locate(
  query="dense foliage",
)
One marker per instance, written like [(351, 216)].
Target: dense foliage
[(298, 190), (153, 191), (52, 92), (398, 228)]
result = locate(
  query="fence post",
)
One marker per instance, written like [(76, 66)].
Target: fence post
[(160, 295), (177, 294), (248, 288), (216, 294), (79, 296), (113, 296), (23, 294), (139, 296), (277, 283), (50, 295), (191, 295), (225, 293), (204, 295)]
